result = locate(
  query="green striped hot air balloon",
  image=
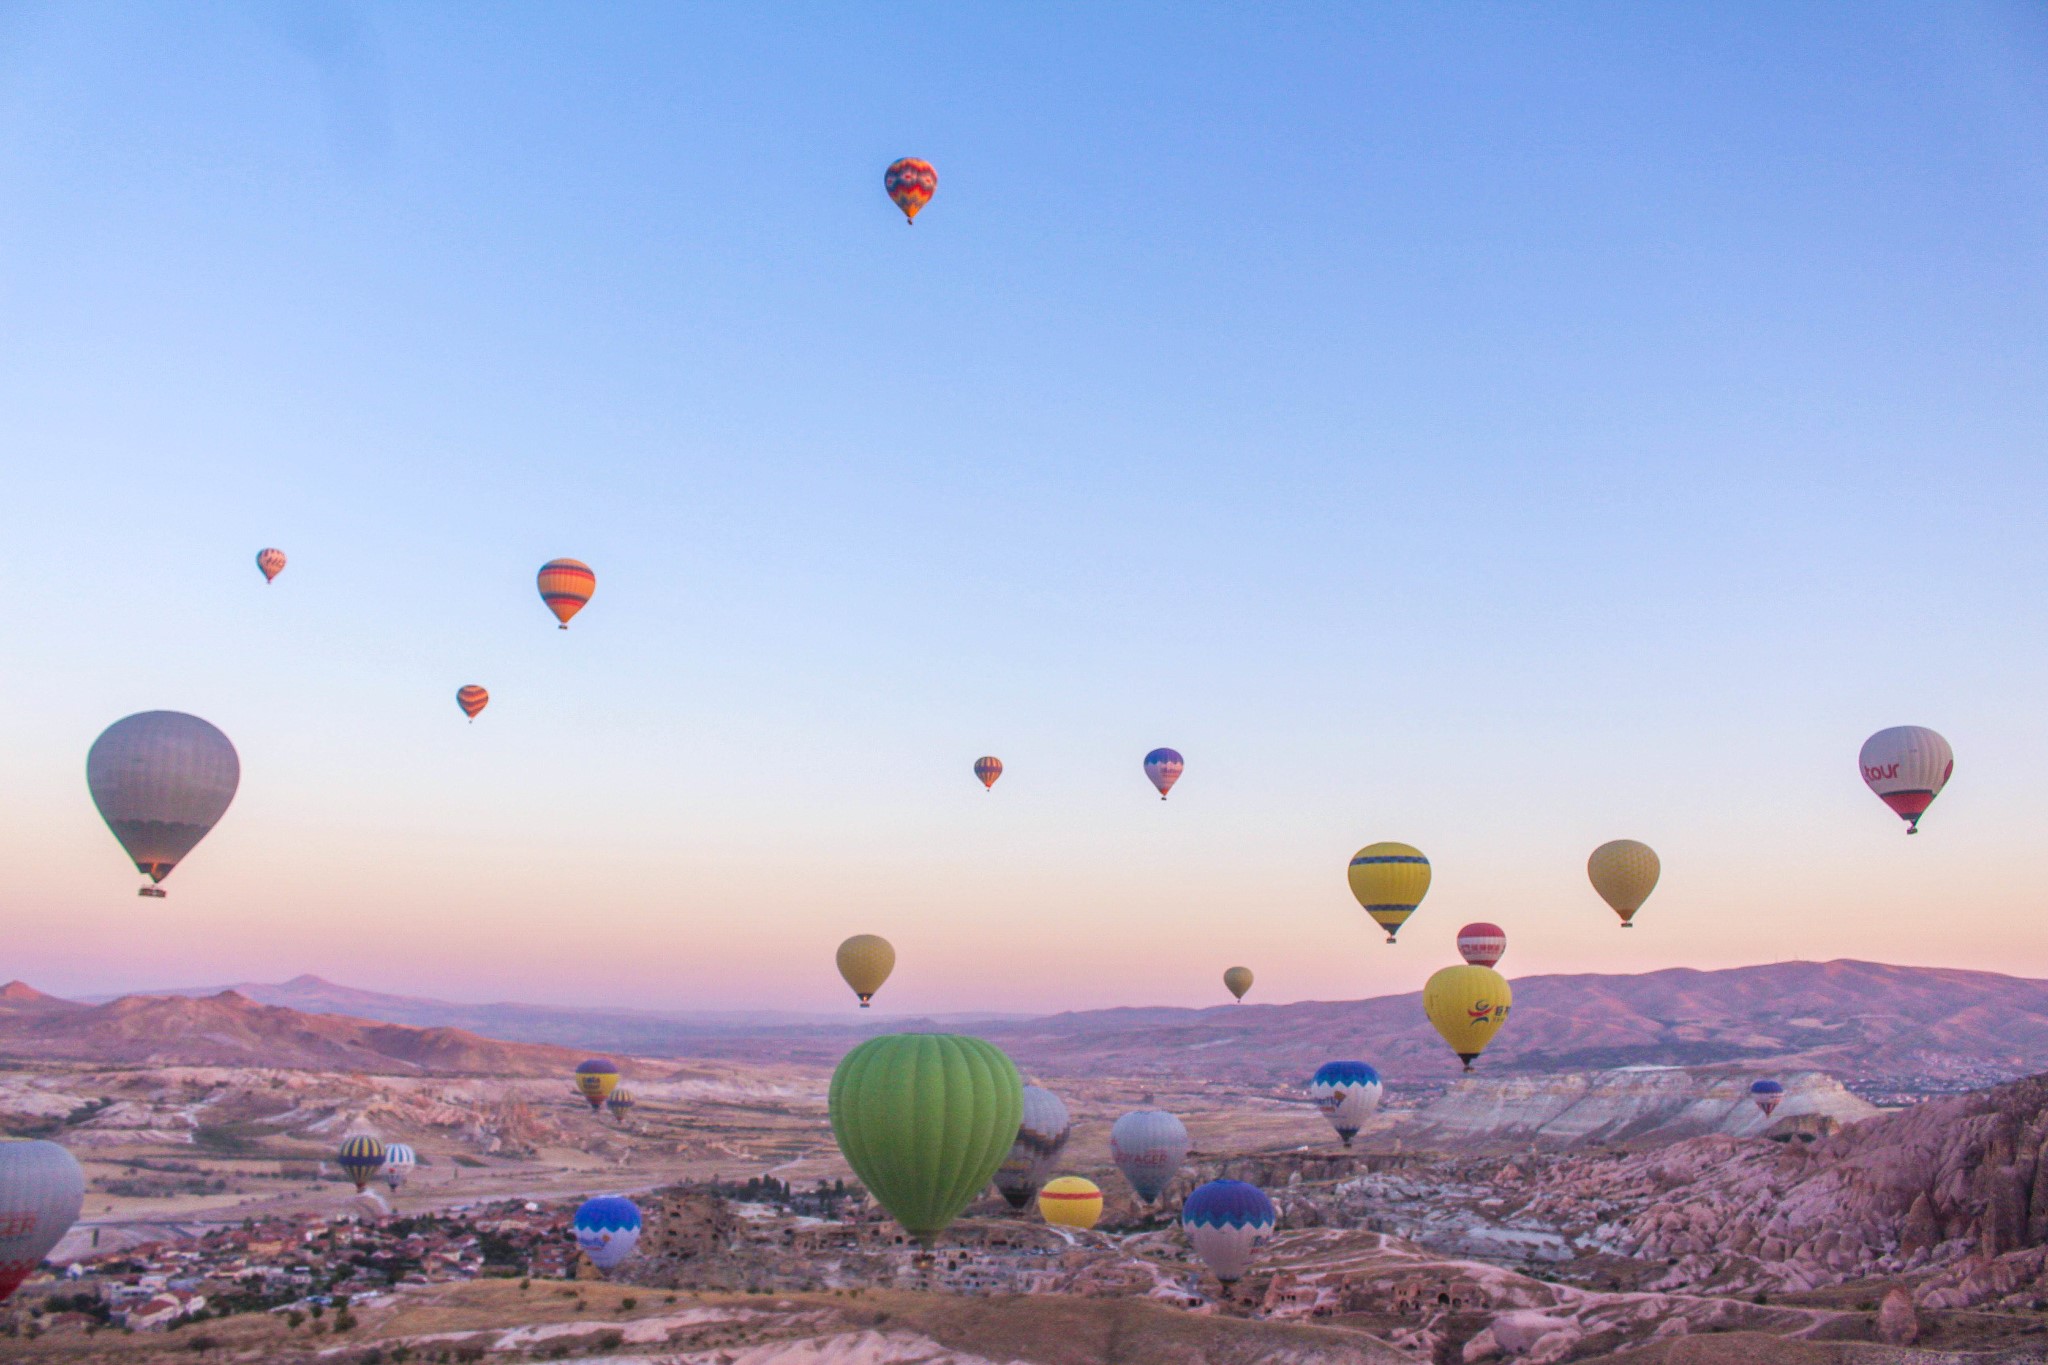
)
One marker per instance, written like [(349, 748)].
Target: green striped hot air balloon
[(924, 1119)]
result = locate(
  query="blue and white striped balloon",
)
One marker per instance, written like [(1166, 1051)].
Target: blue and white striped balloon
[(1347, 1093), (1228, 1221), (607, 1228)]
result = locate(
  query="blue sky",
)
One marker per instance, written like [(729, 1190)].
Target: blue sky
[(1502, 428)]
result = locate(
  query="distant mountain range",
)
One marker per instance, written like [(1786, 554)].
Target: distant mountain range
[(1910, 1029), (229, 1029)]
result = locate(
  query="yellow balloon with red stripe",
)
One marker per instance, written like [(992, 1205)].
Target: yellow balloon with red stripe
[(566, 585), (1071, 1201), (1389, 880)]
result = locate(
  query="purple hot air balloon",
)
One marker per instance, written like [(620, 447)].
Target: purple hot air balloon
[(1163, 767)]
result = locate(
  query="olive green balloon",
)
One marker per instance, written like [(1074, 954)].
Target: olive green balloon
[(924, 1119)]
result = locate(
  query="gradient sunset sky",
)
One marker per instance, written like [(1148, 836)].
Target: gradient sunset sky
[(1498, 427)]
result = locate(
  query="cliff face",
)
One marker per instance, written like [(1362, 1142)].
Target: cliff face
[(1633, 1104), (1959, 1185)]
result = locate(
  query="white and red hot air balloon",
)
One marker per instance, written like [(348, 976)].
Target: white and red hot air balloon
[(41, 1191), (1482, 944), (1907, 766)]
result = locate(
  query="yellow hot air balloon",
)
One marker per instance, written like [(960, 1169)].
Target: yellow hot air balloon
[(1238, 980), (866, 960), (1389, 880), (1624, 872), (1072, 1201), (1468, 1005)]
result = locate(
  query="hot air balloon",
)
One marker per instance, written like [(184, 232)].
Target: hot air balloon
[(1041, 1137), (1071, 1201), (924, 1119), (1389, 880), (1481, 944), (1907, 766), (271, 562), (607, 1229), (1624, 872), (620, 1103), (161, 780), (472, 699), (865, 961), (1767, 1095), (1228, 1221), (988, 768), (595, 1081), (41, 1191), (911, 183), (1468, 1005), (1148, 1146), (1164, 766), (1237, 980), (1347, 1094), (361, 1157), (399, 1161), (565, 585)]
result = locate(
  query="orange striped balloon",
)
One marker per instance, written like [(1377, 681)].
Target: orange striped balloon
[(271, 562), (472, 699), (565, 585)]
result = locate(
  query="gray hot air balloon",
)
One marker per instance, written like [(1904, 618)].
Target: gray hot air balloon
[(1040, 1140), (41, 1189), (1149, 1145), (161, 779)]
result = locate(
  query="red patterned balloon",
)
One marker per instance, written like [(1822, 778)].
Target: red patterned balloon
[(1481, 943), (565, 585), (911, 183), (472, 699), (988, 769), (271, 561)]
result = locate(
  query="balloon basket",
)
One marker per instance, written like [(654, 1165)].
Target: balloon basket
[(153, 892)]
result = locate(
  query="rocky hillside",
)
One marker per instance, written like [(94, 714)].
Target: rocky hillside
[(1955, 1186), (1632, 1105), (231, 1030)]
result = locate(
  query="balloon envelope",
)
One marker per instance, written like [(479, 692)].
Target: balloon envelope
[(566, 585), (1041, 1137), (271, 562), (1228, 1221), (865, 961), (1237, 980), (1071, 1201), (361, 1157), (607, 1229), (41, 1191), (1467, 1005), (595, 1081), (1482, 944), (988, 768), (1624, 872), (620, 1102), (1347, 1094), (1148, 1146), (924, 1119), (1767, 1095), (1164, 767), (1389, 880), (1907, 766), (161, 779), (472, 699), (399, 1161), (911, 184)]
